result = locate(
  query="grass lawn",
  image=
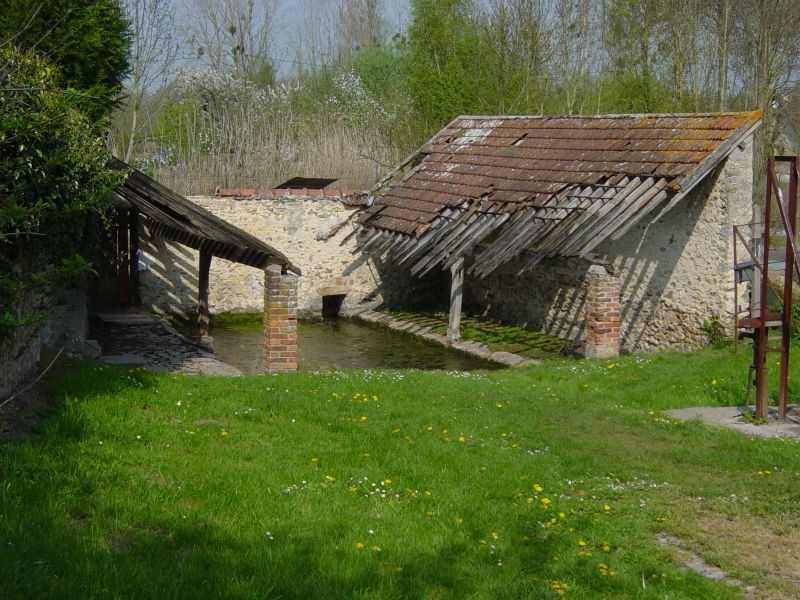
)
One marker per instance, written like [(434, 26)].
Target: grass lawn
[(542, 482)]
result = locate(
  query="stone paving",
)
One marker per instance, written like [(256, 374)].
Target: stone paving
[(470, 347), (731, 417), (141, 340)]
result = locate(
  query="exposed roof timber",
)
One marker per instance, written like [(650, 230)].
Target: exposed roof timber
[(183, 221)]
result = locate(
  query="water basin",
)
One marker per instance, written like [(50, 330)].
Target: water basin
[(341, 343)]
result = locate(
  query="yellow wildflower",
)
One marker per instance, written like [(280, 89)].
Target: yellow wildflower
[(537, 488)]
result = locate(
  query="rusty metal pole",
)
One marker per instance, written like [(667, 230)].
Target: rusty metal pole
[(735, 296), (788, 279), (762, 400)]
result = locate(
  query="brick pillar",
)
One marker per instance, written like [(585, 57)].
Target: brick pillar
[(602, 313), (280, 320)]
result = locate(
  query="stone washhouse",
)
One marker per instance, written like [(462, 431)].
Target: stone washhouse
[(611, 230), (146, 211)]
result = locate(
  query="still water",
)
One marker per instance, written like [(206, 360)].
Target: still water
[(340, 343)]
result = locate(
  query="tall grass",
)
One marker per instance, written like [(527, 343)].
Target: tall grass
[(228, 133)]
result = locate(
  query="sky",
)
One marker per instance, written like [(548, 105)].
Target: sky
[(290, 24)]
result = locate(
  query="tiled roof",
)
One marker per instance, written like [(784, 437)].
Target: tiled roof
[(551, 167)]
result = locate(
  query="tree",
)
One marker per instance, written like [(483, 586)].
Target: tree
[(153, 50), (234, 36), (87, 40)]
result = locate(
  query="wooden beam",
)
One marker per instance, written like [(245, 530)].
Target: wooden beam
[(456, 292), (202, 292)]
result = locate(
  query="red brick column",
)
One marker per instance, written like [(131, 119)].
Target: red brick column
[(280, 320), (602, 313)]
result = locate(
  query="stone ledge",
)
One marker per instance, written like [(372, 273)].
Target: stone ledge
[(471, 347)]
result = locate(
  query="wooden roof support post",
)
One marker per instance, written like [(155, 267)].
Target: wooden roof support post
[(202, 293), (456, 292)]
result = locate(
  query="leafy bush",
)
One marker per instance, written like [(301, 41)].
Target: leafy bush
[(55, 176)]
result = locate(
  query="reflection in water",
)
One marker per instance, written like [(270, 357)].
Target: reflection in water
[(339, 343)]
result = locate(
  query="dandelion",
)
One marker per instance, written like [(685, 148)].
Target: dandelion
[(537, 488), (387, 481), (495, 535), (713, 382), (359, 546), (606, 508), (375, 548), (462, 439), (362, 418), (546, 502), (223, 433), (606, 547), (561, 515), (330, 478), (581, 543), (529, 500)]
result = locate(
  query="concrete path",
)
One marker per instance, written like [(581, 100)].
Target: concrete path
[(731, 417), (143, 340), (469, 347)]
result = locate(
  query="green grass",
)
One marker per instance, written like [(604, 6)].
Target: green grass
[(164, 486), (499, 337)]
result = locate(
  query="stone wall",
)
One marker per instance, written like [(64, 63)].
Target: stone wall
[(62, 323), (675, 274), (308, 230)]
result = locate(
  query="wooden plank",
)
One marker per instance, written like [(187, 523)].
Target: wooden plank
[(456, 293), (606, 214), (203, 322), (630, 210)]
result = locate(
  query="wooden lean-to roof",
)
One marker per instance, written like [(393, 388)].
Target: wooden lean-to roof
[(172, 216), (550, 185)]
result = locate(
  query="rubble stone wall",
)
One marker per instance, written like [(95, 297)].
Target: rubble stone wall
[(308, 230)]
